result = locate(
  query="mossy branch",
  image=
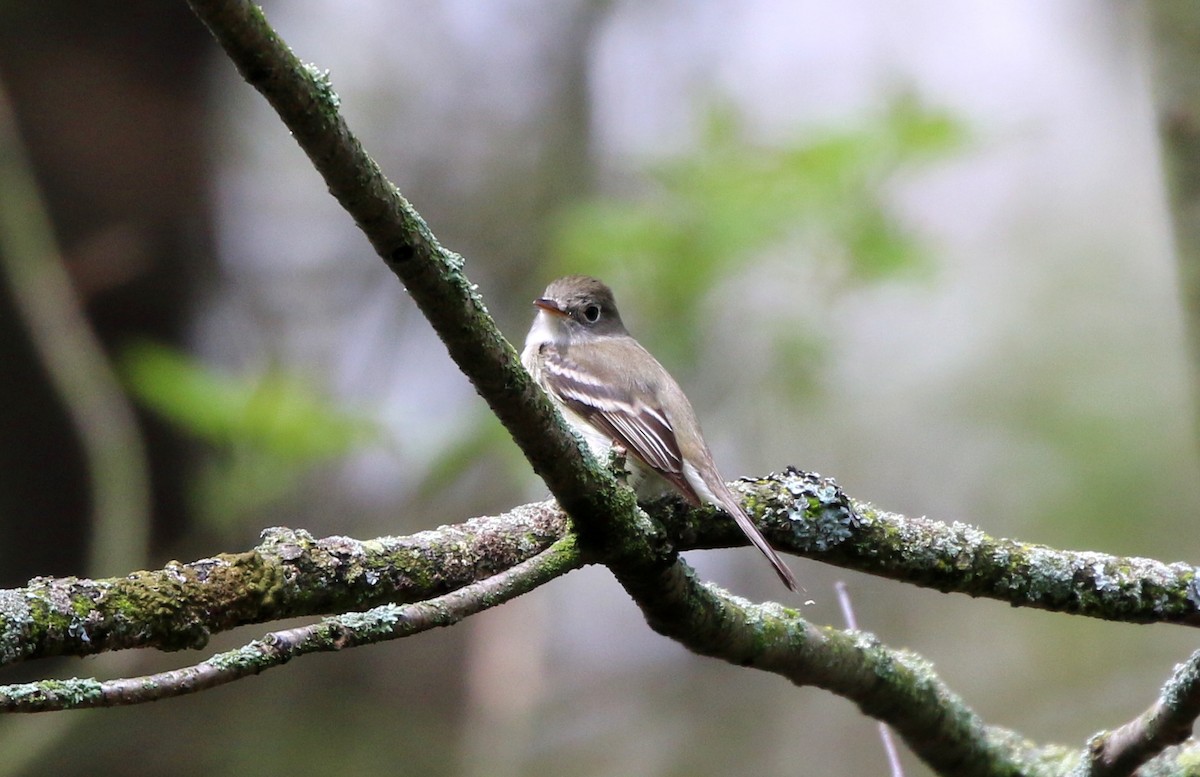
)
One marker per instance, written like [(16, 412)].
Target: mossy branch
[(393, 587), (1166, 723), (289, 574), (353, 629)]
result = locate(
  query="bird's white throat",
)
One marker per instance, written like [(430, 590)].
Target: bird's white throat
[(545, 329)]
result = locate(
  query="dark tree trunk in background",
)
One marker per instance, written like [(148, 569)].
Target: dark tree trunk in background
[(109, 101)]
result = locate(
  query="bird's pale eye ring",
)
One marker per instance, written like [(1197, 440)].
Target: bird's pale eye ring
[(591, 313)]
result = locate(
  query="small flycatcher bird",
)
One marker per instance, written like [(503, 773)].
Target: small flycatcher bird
[(611, 390)]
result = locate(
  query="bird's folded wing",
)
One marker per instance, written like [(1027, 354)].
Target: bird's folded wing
[(642, 429)]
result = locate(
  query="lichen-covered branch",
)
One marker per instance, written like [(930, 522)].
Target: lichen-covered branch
[(288, 574), (901, 689), (433, 276), (893, 686), (385, 622), (809, 515), (1167, 722)]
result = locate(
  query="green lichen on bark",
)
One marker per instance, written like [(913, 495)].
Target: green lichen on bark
[(809, 514), (73, 692), (290, 573)]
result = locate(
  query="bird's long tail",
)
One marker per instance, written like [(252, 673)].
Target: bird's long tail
[(752, 533)]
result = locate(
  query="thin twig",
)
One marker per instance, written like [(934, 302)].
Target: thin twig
[(885, 733), (1167, 722)]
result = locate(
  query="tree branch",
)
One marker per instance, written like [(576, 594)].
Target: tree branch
[(386, 622), (1167, 722), (809, 515), (289, 574), (304, 99), (896, 687)]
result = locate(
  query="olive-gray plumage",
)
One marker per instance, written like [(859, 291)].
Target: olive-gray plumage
[(611, 389)]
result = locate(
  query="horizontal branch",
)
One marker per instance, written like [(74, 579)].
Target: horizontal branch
[(896, 687), (809, 515), (291, 574), (386, 622), (288, 574)]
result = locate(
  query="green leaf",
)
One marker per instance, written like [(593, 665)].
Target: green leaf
[(819, 198), (270, 413)]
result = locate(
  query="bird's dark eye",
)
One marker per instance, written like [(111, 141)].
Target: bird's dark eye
[(592, 313)]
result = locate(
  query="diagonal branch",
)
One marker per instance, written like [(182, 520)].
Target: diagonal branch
[(1167, 722), (896, 687), (306, 103)]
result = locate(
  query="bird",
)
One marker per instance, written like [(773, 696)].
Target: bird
[(614, 392)]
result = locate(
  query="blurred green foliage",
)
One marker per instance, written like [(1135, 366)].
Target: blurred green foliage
[(264, 432), (723, 208), (730, 202)]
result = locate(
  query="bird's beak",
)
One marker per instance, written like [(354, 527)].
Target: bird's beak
[(549, 305)]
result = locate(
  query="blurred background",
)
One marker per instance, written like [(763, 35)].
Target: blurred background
[(924, 249)]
